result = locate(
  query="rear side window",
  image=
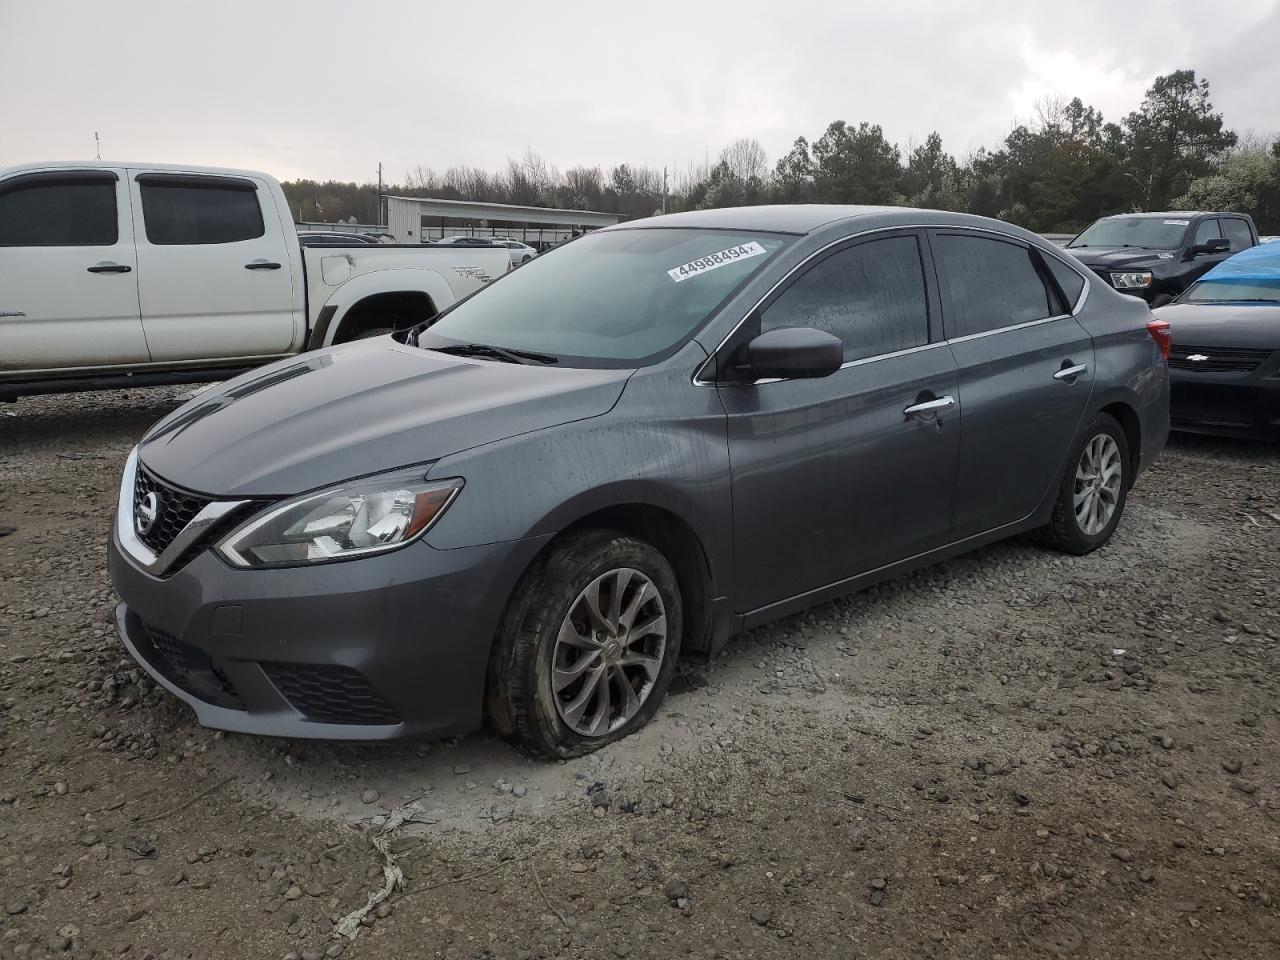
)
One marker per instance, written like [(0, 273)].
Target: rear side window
[(988, 284), (60, 212), (1237, 232), (192, 210), (1072, 283), (871, 296)]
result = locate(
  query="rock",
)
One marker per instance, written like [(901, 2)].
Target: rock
[(370, 796), (293, 893), (461, 769), (1146, 875), (1232, 766), (675, 889), (1166, 741), (879, 883), (519, 791), (383, 911), (1123, 854), (761, 916), (15, 907)]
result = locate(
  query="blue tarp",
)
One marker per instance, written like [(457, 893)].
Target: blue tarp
[(1257, 264)]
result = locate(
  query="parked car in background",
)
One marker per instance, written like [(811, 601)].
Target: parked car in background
[(626, 451), (520, 252), (1156, 256), (116, 275), (1224, 367), (464, 242), (323, 238)]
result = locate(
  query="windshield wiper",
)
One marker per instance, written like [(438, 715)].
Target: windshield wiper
[(496, 353)]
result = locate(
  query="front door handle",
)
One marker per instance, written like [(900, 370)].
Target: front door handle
[(1069, 374), (262, 265), (107, 267), (929, 407)]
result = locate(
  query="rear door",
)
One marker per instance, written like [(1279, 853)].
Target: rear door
[(832, 477), (214, 267), (1025, 369), (68, 278)]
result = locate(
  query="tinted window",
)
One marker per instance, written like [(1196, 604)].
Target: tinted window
[(1237, 232), (59, 213), (871, 296), (1206, 230), (1152, 233), (988, 284), (190, 211), (1071, 282)]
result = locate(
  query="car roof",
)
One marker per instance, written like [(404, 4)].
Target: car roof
[(131, 165), (1180, 214), (776, 218)]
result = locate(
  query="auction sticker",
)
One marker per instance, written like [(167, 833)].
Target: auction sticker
[(713, 261), (1178, 223)]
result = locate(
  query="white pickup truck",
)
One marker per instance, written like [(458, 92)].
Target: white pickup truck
[(124, 274)]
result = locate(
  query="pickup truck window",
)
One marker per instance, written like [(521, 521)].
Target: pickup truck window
[(1237, 232), (1150, 233), (61, 212), (613, 298), (1206, 231), (187, 210)]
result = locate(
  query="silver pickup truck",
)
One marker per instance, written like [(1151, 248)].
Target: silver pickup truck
[(131, 274)]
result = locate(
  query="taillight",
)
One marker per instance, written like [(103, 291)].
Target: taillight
[(1162, 334)]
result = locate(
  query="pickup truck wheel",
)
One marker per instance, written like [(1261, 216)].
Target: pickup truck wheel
[(587, 647), (1094, 489)]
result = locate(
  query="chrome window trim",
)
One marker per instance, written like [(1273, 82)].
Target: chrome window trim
[(698, 381), (138, 551)]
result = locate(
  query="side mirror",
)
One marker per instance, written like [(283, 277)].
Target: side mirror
[(1215, 245), (794, 353)]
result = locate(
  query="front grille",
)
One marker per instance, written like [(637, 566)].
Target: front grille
[(1219, 359), (191, 669), (175, 509), (328, 693)]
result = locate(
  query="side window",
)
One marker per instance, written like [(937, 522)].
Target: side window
[(988, 284), (871, 296), (61, 212), (189, 210), (1072, 283), (1206, 231), (1237, 232)]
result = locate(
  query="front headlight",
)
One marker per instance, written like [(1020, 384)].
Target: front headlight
[(351, 521), (1135, 280)]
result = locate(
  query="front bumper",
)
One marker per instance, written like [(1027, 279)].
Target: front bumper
[(395, 645), (1227, 405)]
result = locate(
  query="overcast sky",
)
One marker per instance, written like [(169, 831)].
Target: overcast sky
[(324, 90)]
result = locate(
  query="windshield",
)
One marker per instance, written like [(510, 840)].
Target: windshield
[(1151, 233), (1266, 290), (613, 298)]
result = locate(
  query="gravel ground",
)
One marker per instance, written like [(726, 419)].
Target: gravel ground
[(1016, 754)]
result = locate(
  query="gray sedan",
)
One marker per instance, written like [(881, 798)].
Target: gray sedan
[(524, 511)]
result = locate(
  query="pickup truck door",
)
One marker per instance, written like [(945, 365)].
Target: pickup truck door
[(215, 276), (68, 278)]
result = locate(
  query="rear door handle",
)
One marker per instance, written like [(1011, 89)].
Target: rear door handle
[(930, 407), (110, 268), (262, 265), (1070, 373)]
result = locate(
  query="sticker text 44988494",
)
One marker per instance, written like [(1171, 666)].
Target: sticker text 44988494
[(713, 260)]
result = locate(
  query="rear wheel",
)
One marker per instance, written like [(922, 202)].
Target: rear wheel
[(587, 647), (1094, 489)]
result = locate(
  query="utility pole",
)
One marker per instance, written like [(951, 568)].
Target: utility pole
[(97, 146), (664, 188), (381, 218)]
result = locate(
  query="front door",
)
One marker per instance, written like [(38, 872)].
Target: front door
[(68, 274), (1025, 368), (214, 267), (833, 477)]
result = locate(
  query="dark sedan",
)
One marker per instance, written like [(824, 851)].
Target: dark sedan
[(525, 510), (1224, 367)]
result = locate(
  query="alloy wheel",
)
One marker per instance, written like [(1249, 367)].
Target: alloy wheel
[(1099, 475), (609, 652)]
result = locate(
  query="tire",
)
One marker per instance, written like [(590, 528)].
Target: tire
[(1102, 441), (522, 702), (1160, 299)]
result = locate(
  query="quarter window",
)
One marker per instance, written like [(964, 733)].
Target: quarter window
[(192, 210), (988, 284), (1072, 283), (871, 296), (1237, 232), (61, 212)]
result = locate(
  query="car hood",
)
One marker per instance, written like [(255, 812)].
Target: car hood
[(359, 409), (1118, 257), (1223, 324)]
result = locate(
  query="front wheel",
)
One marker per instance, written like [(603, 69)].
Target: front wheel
[(587, 647), (1094, 489)]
